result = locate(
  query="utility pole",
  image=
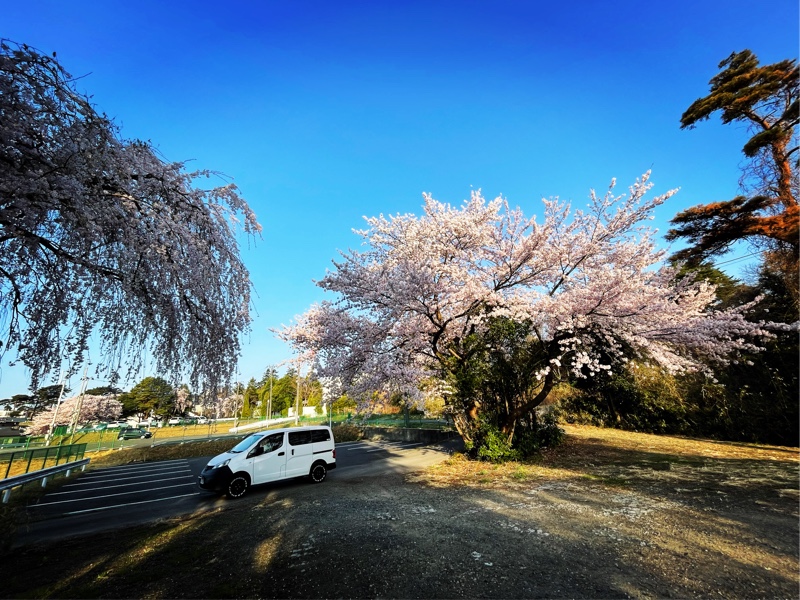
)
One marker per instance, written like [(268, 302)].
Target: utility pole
[(49, 437), (76, 414), (297, 401), (236, 389), (269, 404)]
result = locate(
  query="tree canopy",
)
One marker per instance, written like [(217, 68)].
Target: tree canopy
[(101, 234), (483, 286), (765, 98), (76, 410), (151, 396)]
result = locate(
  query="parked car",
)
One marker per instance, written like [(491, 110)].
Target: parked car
[(131, 433), (116, 424), (91, 428), (269, 456)]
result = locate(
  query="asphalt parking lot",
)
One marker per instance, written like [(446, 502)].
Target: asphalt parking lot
[(120, 488), (110, 498)]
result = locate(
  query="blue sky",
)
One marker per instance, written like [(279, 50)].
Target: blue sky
[(324, 112)]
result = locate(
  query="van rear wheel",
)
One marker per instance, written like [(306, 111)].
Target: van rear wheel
[(237, 486), (318, 472)]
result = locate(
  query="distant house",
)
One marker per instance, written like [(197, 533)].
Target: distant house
[(310, 411)]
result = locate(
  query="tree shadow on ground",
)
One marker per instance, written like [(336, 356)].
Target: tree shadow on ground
[(387, 536)]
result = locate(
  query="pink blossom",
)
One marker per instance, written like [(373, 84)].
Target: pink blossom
[(587, 280)]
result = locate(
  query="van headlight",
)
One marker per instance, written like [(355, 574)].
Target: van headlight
[(222, 464)]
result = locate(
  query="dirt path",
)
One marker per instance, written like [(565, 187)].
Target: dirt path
[(609, 515)]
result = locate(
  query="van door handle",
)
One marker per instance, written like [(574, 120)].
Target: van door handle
[(292, 451), (281, 453)]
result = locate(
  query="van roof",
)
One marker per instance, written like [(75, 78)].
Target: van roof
[(267, 431)]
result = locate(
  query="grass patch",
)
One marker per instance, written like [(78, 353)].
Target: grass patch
[(610, 457), (458, 470), (345, 432), (399, 420), (193, 449), (125, 456)]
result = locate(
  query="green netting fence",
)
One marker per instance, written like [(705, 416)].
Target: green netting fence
[(34, 459)]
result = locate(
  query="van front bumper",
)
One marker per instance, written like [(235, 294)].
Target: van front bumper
[(215, 480)]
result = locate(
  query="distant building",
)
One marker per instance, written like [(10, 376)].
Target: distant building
[(310, 411)]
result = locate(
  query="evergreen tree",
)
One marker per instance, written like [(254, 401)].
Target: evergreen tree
[(250, 401), (765, 99), (151, 395)]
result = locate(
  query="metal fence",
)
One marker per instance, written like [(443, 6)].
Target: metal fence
[(8, 484), (15, 443), (34, 459)]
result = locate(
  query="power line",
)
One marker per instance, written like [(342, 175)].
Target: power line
[(725, 262)]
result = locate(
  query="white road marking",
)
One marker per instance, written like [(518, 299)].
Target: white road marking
[(97, 480), (140, 466), (166, 487), (121, 472), (108, 487), (77, 512)]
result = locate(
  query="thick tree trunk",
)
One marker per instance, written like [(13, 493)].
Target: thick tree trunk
[(524, 408), (466, 421)]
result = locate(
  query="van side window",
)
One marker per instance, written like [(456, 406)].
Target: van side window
[(272, 442), (320, 435), (298, 438)]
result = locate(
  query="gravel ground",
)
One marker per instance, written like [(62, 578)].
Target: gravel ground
[(596, 519)]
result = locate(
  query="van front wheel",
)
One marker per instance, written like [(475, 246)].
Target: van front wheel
[(237, 486), (318, 472)]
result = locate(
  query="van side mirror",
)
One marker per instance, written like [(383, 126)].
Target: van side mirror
[(257, 451)]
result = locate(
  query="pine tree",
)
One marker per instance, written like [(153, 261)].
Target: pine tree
[(764, 98)]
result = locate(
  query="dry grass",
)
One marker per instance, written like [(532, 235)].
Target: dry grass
[(20, 467), (113, 458), (593, 452), (678, 446), (345, 432)]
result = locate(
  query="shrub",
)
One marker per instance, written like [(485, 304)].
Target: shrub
[(493, 446), (537, 432), (640, 398), (531, 435)]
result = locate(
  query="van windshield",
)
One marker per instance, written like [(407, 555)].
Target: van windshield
[(246, 443)]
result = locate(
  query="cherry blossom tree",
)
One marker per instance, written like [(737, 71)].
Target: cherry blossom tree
[(482, 286), (92, 408), (101, 235)]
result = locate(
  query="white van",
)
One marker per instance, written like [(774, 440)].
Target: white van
[(269, 456)]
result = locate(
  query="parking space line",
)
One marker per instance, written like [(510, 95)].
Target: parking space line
[(108, 487), (87, 510), (154, 469), (166, 487), (144, 465), (129, 478)]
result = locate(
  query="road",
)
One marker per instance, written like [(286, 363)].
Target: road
[(115, 497)]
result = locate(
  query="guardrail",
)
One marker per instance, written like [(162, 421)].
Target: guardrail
[(6, 485)]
